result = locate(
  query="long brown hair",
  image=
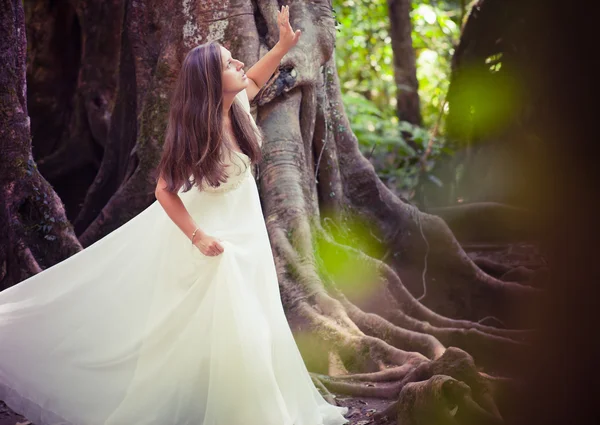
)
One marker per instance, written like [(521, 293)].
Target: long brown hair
[(192, 152)]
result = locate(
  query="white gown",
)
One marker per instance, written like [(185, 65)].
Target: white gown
[(142, 328)]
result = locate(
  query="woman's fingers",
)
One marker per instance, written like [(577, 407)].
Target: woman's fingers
[(217, 248), (284, 15), (213, 249), (209, 251)]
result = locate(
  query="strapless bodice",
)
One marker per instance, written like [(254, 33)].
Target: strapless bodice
[(237, 167)]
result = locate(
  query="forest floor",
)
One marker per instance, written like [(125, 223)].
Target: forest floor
[(361, 409)]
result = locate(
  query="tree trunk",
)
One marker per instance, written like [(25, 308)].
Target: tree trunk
[(34, 232), (408, 106), (347, 250)]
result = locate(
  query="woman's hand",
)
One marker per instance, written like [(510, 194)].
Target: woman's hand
[(209, 246), (287, 37)]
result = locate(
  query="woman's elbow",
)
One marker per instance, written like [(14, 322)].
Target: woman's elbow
[(163, 195), (161, 187), (159, 193)]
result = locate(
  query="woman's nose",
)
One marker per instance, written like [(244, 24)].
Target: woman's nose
[(240, 65)]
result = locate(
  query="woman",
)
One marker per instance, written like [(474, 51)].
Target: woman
[(175, 317)]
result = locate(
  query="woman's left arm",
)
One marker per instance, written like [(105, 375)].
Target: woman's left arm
[(262, 70)]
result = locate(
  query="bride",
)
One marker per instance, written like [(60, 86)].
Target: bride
[(175, 318)]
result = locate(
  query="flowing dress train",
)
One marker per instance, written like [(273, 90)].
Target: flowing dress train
[(142, 328)]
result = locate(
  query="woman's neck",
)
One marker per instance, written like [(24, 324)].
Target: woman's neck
[(227, 102)]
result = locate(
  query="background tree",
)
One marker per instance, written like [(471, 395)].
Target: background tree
[(351, 256), (405, 67), (376, 52), (34, 232)]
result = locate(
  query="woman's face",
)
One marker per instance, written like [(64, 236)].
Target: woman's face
[(233, 75)]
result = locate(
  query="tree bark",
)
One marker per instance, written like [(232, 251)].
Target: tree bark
[(351, 257), (408, 106), (34, 231)]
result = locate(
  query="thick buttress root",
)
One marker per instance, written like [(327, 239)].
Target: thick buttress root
[(383, 359), (419, 247), (395, 346)]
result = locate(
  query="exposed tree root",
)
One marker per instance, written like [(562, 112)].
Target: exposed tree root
[(486, 222), (441, 400), (495, 353), (407, 304), (389, 369), (377, 326), (518, 274), (494, 348), (491, 267), (386, 390), (484, 246), (324, 391), (395, 373), (456, 287), (459, 365)]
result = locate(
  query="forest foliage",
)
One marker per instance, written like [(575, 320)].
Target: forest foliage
[(364, 59)]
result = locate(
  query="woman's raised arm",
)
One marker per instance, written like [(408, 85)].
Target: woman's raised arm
[(262, 70)]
